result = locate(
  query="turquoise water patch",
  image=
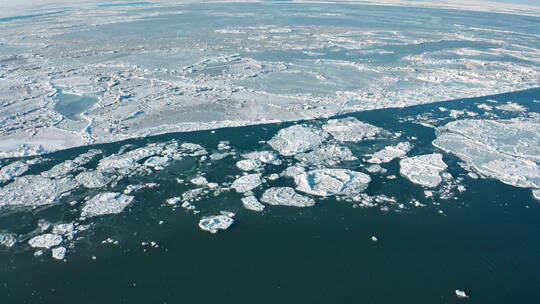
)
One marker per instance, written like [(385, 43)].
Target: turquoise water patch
[(71, 106)]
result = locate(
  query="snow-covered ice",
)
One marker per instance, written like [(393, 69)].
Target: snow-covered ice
[(297, 139), (58, 253), (46, 240), (326, 182), (247, 182), (214, 223), (424, 169), (252, 203), (106, 203), (390, 153), (350, 129), (285, 196)]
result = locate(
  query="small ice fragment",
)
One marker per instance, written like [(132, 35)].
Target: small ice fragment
[(213, 223), (374, 239), (273, 176), (7, 240), (46, 240), (58, 253), (199, 181), (461, 294), (173, 200), (247, 183), (252, 203)]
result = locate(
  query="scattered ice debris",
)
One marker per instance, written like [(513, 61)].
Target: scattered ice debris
[(93, 179), (461, 294), (188, 206), (173, 200), (193, 195), (326, 155), (214, 223), (265, 157), (191, 149), (511, 107), (58, 253), (428, 193), (71, 166), (106, 203), (247, 182), (13, 170), (374, 239), (424, 169), (297, 139), (326, 182), (484, 106), (47, 240), (507, 150), (252, 203), (7, 240), (248, 164), (158, 162), (536, 194), (286, 196), (390, 153), (199, 181), (152, 244), (35, 190), (68, 230), (224, 145), (133, 188), (350, 129), (110, 241)]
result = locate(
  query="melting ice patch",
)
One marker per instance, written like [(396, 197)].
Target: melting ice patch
[(326, 182), (214, 223), (424, 169), (507, 150)]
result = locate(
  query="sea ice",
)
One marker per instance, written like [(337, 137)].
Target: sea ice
[(423, 169), (536, 194), (199, 181), (326, 155), (46, 240), (461, 294), (390, 153), (326, 182), (265, 157), (247, 182), (252, 203), (286, 196), (248, 164), (106, 203), (92, 179), (58, 253), (13, 170), (7, 240), (213, 223), (350, 129), (297, 139), (35, 190), (507, 150)]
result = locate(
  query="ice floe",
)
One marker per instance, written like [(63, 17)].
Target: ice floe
[(93, 179), (47, 240), (265, 157), (350, 129), (326, 182), (58, 253), (13, 170), (285, 196), (248, 164), (247, 182), (105, 203), (214, 223), (7, 240), (390, 153), (424, 169), (326, 155), (297, 139), (507, 150), (536, 194), (252, 203), (35, 190)]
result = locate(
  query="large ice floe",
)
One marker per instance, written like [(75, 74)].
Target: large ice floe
[(247, 182), (326, 182), (350, 129), (35, 190), (46, 240), (105, 203), (424, 169), (285, 196), (390, 153), (507, 150), (297, 139)]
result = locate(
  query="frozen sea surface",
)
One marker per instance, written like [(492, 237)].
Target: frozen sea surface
[(79, 73)]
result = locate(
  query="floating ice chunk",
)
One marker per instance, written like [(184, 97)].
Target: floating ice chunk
[(350, 129), (58, 253), (484, 106), (461, 294), (507, 150), (70, 166), (157, 162), (133, 188), (213, 223), (390, 153), (219, 156), (265, 157), (46, 240), (7, 240), (374, 239), (193, 149), (252, 203), (297, 139), (106, 203), (273, 176), (326, 182), (423, 169), (511, 107), (286, 196), (247, 182), (199, 181), (248, 164), (173, 200), (126, 162), (536, 194), (293, 171), (35, 190), (376, 169), (13, 170), (327, 155), (92, 179), (66, 229)]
